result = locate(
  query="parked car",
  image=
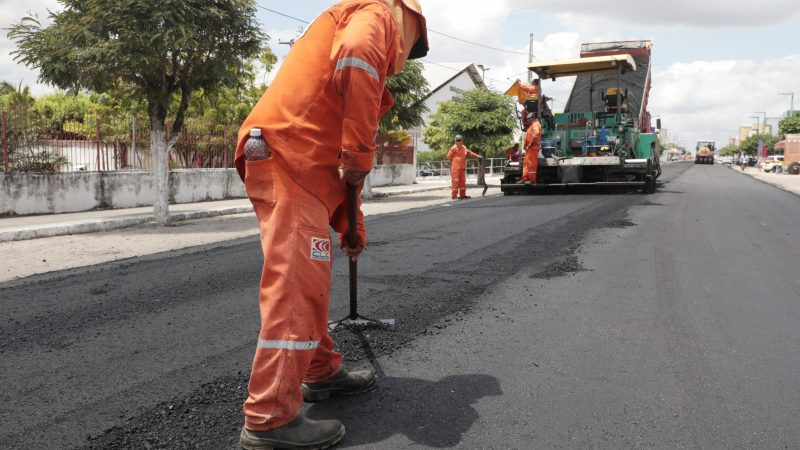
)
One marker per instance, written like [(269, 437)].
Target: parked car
[(428, 170), (772, 162), (727, 160)]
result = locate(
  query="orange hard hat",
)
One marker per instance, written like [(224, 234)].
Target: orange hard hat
[(420, 48)]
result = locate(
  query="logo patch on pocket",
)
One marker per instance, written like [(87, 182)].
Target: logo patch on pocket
[(320, 249)]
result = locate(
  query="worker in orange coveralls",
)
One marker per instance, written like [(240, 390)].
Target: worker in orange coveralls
[(513, 153), (532, 92), (338, 70), (458, 168), (533, 141)]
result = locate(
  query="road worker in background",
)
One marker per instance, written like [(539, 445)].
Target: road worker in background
[(533, 141), (528, 95), (513, 153), (337, 69), (458, 167)]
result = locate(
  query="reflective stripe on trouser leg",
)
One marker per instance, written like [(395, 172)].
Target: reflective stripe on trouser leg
[(293, 296), (455, 182), (531, 166)]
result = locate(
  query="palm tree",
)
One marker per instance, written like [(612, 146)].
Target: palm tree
[(16, 97)]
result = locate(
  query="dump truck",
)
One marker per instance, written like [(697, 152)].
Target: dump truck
[(604, 136), (704, 152), (791, 154)]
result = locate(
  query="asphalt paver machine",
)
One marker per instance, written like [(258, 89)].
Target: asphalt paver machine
[(604, 136)]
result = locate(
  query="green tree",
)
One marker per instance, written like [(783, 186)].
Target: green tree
[(408, 88), (729, 150), (15, 97), (750, 145), (486, 119), (151, 51), (233, 103), (268, 59), (789, 125)]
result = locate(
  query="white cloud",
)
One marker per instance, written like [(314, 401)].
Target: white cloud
[(712, 98), (11, 12), (691, 13)]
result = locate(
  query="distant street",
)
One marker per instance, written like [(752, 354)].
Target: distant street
[(612, 320)]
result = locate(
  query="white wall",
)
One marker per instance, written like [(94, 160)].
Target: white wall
[(463, 82), (392, 174), (32, 193)]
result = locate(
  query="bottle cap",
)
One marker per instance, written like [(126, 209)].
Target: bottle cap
[(255, 132)]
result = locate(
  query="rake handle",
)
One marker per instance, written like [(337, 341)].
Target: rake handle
[(352, 219)]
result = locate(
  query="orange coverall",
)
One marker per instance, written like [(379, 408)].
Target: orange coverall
[(533, 141), (321, 111), (458, 169)]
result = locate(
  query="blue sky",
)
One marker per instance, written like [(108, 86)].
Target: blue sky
[(716, 62)]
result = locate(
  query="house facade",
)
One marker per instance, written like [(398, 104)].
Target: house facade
[(447, 82)]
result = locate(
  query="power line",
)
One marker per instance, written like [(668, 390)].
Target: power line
[(477, 44), (429, 29), (284, 15), (459, 70)]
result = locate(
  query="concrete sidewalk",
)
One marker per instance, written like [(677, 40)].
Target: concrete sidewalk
[(32, 227), (115, 240), (789, 183)]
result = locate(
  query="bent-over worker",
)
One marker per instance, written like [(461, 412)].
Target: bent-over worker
[(337, 69)]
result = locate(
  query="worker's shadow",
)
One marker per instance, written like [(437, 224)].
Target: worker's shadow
[(434, 414)]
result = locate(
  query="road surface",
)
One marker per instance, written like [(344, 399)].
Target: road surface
[(615, 320)]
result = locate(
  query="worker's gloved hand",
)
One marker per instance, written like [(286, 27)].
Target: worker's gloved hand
[(353, 177), (480, 158), (353, 252)]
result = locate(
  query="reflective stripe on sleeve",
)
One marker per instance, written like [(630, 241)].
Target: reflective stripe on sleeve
[(288, 345), (358, 63)]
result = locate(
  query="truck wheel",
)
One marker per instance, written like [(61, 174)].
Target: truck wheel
[(649, 184), (794, 169)]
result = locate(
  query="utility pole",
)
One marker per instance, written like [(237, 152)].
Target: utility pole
[(791, 107), (530, 57), (758, 123), (777, 119), (483, 72), (763, 130)]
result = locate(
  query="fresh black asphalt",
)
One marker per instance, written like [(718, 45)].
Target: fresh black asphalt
[(556, 321)]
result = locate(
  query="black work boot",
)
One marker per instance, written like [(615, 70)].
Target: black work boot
[(343, 383), (299, 433)]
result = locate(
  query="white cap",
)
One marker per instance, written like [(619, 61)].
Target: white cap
[(255, 132)]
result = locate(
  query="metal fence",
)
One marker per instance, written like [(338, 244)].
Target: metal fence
[(442, 168), (51, 142)]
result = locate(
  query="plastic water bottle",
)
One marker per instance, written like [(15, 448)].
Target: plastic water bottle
[(256, 147)]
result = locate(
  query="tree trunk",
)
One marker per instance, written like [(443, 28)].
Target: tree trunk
[(482, 171), (158, 147)]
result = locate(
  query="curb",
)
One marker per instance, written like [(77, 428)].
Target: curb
[(407, 191), (784, 189), (95, 225), (426, 189)]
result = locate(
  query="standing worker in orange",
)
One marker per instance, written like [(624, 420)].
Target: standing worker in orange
[(458, 168), (295, 166), (533, 141)]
